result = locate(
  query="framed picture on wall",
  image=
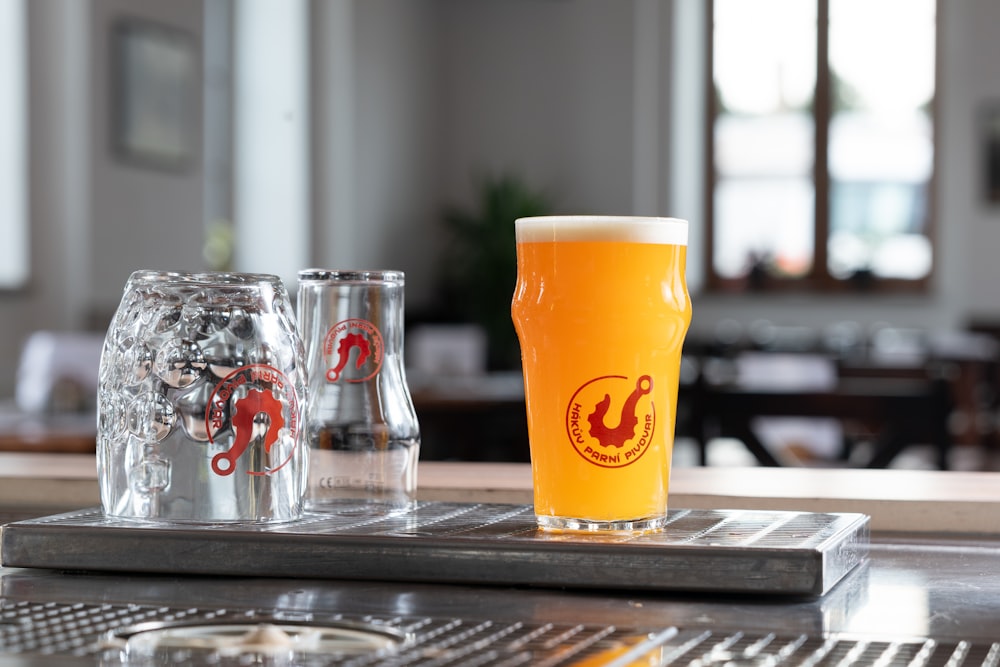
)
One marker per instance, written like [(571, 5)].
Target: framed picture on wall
[(154, 108), (991, 152)]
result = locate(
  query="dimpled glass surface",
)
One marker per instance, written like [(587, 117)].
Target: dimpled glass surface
[(182, 354)]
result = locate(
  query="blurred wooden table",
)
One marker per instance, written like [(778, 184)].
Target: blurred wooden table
[(898, 412), (472, 418), (51, 443), (62, 434)]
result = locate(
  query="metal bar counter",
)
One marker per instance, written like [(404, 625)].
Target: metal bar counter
[(927, 596)]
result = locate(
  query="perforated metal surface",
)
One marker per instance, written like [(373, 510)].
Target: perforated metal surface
[(699, 550), (95, 632)]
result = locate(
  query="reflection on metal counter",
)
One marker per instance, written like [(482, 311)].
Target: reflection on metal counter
[(919, 601)]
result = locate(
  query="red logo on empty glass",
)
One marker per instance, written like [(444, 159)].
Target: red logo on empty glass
[(254, 403), (353, 350)]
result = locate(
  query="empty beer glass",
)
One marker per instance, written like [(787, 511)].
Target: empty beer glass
[(201, 400), (363, 433)]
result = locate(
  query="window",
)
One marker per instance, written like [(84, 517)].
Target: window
[(821, 143), (14, 251)]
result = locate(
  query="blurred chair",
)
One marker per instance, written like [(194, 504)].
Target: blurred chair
[(896, 411), (54, 409), (773, 436), (58, 372)]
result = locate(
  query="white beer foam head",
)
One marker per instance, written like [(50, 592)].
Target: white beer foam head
[(630, 229)]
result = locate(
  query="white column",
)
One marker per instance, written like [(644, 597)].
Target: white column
[(335, 159), (685, 180), (650, 71), (271, 204)]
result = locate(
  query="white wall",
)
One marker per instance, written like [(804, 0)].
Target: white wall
[(140, 217), (58, 131), (445, 92), (93, 219), (56, 138), (376, 154), (543, 90), (969, 229), (397, 159)]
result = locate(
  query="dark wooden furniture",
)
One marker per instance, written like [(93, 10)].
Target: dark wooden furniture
[(60, 434), (472, 429), (896, 412)]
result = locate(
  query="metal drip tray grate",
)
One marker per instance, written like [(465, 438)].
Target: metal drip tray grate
[(700, 550), (103, 633)]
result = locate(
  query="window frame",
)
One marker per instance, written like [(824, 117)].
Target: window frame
[(819, 279)]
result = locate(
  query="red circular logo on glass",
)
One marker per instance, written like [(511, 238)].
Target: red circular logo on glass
[(254, 404), (610, 420), (353, 350)]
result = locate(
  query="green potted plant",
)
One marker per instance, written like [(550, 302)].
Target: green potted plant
[(480, 266)]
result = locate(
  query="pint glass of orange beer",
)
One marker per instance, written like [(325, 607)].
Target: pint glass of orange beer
[(601, 309)]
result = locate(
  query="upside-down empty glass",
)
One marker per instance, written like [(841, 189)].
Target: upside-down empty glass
[(201, 400)]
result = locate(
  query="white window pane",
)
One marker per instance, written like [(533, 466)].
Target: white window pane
[(882, 53), (764, 57), (764, 54), (881, 150), (763, 223), (894, 147), (872, 223), (14, 251), (903, 256), (773, 145)]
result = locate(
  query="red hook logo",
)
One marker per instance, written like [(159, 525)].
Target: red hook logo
[(619, 435), (348, 343), (252, 404), (256, 409), (342, 339), (611, 446)]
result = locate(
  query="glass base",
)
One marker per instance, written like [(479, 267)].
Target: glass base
[(371, 506), (185, 520), (563, 523)]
